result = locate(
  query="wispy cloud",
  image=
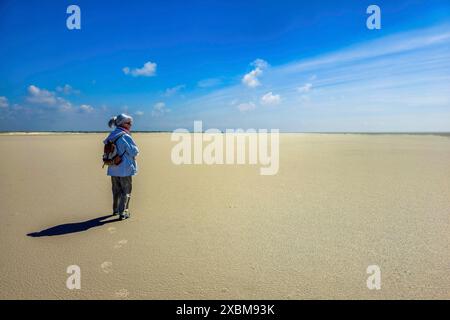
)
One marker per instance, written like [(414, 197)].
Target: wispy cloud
[(247, 106), (67, 89), (159, 109), (174, 90), (403, 74), (305, 88), (4, 102), (260, 63), (208, 83), (148, 70)]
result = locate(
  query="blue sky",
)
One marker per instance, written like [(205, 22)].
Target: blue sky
[(291, 65)]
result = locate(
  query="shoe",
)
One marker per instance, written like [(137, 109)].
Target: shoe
[(124, 216), (115, 214)]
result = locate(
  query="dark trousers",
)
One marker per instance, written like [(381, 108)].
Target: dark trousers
[(121, 189)]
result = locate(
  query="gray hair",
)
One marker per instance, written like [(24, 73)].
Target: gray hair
[(117, 121)]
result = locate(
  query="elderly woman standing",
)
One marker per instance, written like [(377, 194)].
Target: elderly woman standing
[(121, 174)]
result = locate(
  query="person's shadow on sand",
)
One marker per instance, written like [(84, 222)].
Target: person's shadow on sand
[(73, 227)]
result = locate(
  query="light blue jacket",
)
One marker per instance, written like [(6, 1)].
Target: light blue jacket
[(126, 146)]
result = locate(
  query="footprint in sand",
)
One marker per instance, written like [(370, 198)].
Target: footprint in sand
[(106, 267), (122, 294), (120, 243), (111, 230)]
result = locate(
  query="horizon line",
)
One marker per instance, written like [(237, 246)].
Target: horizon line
[(222, 131)]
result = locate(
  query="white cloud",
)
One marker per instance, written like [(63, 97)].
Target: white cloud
[(67, 89), (159, 109), (247, 106), (207, 83), (4, 102), (148, 70), (270, 99), (251, 79), (40, 96), (47, 98), (171, 91), (139, 113), (86, 108)]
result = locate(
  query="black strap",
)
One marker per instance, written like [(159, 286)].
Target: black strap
[(120, 136)]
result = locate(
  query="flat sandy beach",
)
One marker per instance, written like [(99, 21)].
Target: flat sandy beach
[(339, 203)]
